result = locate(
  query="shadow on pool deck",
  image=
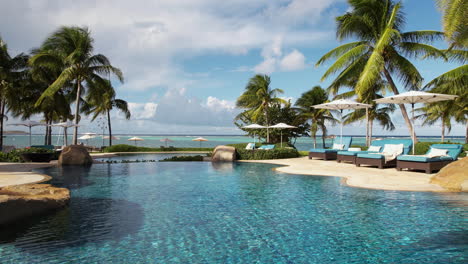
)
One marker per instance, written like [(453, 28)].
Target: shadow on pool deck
[(99, 220)]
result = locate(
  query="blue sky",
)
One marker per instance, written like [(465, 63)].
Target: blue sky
[(186, 62)]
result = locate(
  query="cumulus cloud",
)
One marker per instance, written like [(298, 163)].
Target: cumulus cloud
[(273, 59), (293, 61)]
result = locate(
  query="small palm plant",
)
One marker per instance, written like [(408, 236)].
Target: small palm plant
[(101, 101), (318, 117), (258, 98)]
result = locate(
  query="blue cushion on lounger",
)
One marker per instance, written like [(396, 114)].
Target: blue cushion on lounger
[(323, 150), (370, 156), (453, 149), (423, 158), (267, 147)]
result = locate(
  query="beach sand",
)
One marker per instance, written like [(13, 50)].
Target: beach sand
[(362, 177)]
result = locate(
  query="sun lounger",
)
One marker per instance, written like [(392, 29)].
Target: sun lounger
[(267, 147), (350, 155), (250, 146), (331, 154), (385, 158), (435, 159)]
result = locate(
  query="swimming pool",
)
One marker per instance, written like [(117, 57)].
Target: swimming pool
[(198, 212)]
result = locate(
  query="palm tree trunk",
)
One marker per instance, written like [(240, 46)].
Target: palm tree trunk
[(402, 107), (2, 116), (442, 138), (371, 124), (367, 133), (324, 135), (77, 109), (267, 124), (466, 133), (110, 129), (46, 130)]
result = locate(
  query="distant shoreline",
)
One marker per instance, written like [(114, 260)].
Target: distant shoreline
[(210, 135)]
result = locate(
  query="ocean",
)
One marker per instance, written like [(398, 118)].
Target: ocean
[(303, 143)]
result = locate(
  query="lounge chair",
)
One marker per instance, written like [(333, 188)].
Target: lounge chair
[(267, 147), (250, 146), (330, 154), (435, 158), (387, 156), (350, 155)]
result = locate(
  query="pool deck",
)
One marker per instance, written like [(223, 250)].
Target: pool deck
[(20, 173), (361, 177)]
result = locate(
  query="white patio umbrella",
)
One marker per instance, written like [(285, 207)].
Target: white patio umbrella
[(165, 140), (414, 97), (65, 126), (135, 139), (29, 124), (86, 137), (342, 104), (200, 139), (113, 137), (254, 126), (282, 126)]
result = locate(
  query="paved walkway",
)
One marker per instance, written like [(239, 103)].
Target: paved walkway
[(363, 177)]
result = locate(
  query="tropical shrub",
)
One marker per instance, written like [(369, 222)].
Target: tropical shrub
[(184, 158), (277, 153)]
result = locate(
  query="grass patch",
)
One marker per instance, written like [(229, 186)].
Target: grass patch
[(131, 148)]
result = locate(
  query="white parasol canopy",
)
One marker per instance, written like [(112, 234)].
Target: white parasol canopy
[(342, 104), (65, 126), (113, 137), (30, 124), (165, 140), (200, 139), (254, 126), (282, 126), (135, 139), (415, 97)]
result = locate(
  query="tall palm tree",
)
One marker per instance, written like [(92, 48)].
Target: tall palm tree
[(101, 100), (12, 72), (70, 49), (258, 98), (432, 113), (382, 49), (317, 117)]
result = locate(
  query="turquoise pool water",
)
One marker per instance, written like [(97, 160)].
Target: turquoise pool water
[(196, 212)]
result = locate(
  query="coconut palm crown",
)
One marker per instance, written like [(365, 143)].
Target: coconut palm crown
[(70, 50), (382, 49)]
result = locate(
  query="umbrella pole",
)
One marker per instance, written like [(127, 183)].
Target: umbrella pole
[(412, 126), (367, 128), (65, 136), (281, 131), (341, 124), (30, 136)]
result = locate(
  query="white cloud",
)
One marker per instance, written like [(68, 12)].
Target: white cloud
[(293, 61), (142, 110)]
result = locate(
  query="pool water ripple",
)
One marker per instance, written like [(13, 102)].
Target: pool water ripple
[(198, 212)]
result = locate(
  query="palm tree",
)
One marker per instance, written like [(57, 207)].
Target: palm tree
[(12, 72), (70, 50), (258, 98), (101, 100), (431, 113), (455, 21), (382, 49), (317, 117)]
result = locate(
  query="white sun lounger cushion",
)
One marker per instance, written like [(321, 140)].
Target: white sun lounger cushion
[(338, 146), (435, 152), (374, 148)]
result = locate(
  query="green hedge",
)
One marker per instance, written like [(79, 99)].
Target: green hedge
[(184, 158), (422, 147), (132, 148), (15, 155), (286, 152)]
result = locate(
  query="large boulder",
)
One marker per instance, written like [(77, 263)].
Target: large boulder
[(454, 176), (20, 201), (75, 155), (224, 154)]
